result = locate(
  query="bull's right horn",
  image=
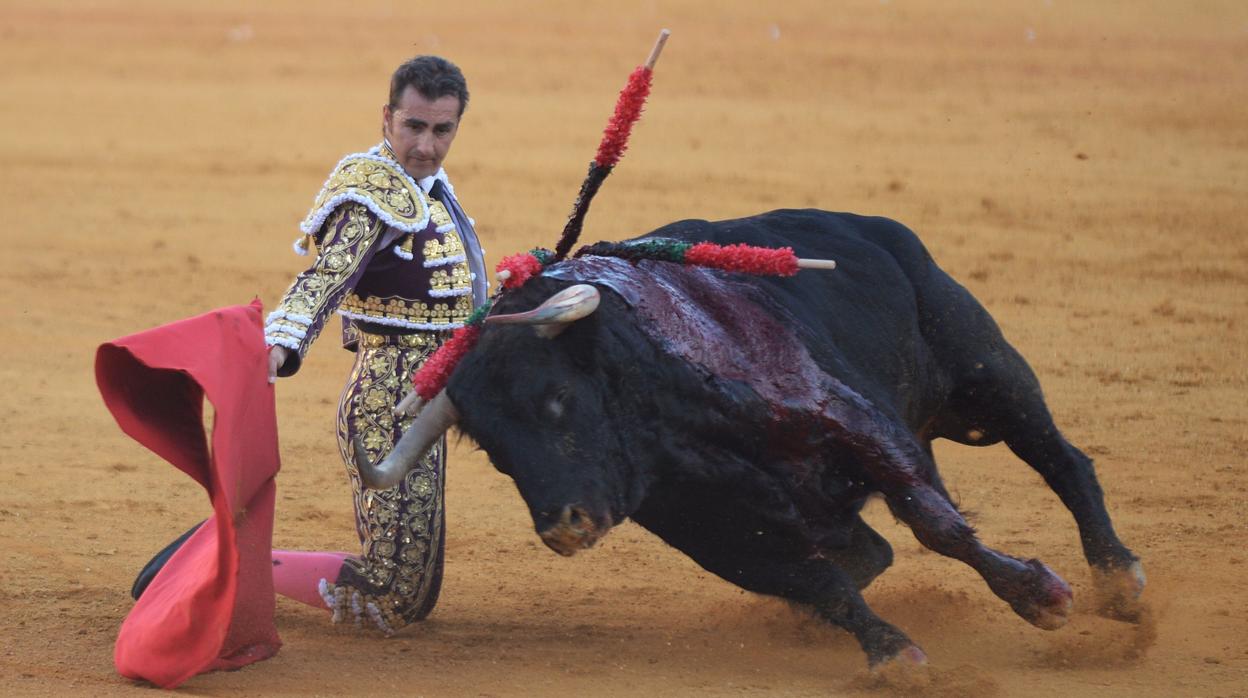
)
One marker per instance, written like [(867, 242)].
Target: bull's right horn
[(556, 313), (438, 416)]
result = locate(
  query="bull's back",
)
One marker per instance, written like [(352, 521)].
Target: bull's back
[(861, 320)]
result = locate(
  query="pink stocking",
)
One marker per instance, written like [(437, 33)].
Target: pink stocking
[(297, 575)]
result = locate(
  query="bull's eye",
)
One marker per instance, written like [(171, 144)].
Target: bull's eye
[(557, 405)]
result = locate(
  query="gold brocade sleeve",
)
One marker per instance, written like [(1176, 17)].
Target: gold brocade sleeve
[(346, 241)]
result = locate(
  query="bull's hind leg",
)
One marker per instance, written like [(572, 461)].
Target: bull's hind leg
[(901, 469), (995, 396), (1001, 397), (1030, 587), (1118, 573)]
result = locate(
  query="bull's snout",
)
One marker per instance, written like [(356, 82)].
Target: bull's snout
[(571, 530)]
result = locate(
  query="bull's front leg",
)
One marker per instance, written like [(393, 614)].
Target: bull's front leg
[(726, 537), (896, 464), (824, 588)]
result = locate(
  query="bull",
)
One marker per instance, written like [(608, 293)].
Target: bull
[(745, 420)]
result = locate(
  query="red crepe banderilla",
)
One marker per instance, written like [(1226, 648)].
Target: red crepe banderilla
[(432, 376), (614, 142)]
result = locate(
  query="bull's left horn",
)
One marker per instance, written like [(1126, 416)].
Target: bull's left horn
[(438, 416), (556, 313)]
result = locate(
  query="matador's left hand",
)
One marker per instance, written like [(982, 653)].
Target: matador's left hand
[(277, 357)]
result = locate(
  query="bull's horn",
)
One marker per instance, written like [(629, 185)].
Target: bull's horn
[(554, 315), (438, 416)]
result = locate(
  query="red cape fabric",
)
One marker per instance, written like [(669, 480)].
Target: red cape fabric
[(211, 606)]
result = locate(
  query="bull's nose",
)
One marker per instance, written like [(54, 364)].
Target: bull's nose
[(571, 530), (574, 516)]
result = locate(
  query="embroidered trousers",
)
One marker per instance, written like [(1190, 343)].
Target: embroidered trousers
[(397, 577)]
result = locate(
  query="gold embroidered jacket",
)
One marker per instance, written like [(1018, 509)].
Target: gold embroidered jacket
[(390, 258)]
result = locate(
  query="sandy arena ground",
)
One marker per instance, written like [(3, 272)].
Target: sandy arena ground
[(1081, 166)]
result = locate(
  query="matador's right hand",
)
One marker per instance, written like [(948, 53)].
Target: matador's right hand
[(277, 356)]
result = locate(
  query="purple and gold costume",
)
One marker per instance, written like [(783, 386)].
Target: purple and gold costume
[(400, 262)]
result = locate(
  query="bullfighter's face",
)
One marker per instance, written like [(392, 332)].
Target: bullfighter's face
[(421, 130)]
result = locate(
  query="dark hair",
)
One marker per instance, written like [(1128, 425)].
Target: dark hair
[(433, 77)]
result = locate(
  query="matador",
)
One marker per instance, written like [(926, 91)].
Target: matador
[(398, 259)]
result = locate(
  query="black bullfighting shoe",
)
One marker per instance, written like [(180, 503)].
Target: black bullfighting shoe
[(153, 566)]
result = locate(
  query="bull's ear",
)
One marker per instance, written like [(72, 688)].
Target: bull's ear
[(556, 313)]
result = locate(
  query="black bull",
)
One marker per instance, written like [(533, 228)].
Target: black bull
[(745, 419)]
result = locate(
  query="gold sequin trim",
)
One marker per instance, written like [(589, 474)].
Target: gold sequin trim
[(454, 310), (457, 278), (418, 340), (439, 214), (450, 245)]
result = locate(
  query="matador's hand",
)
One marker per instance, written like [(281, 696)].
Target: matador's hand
[(277, 357), (409, 406)]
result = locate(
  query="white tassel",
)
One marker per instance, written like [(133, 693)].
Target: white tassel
[(396, 322), (375, 614), (449, 293), (399, 252), (300, 248), (276, 340), (301, 319), (327, 596), (357, 608), (443, 261), (296, 332)]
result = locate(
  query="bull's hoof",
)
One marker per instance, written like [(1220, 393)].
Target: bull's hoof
[(907, 658), (902, 673), (1048, 600), (1053, 616), (1118, 592)]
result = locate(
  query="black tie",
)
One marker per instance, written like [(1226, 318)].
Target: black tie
[(436, 190)]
